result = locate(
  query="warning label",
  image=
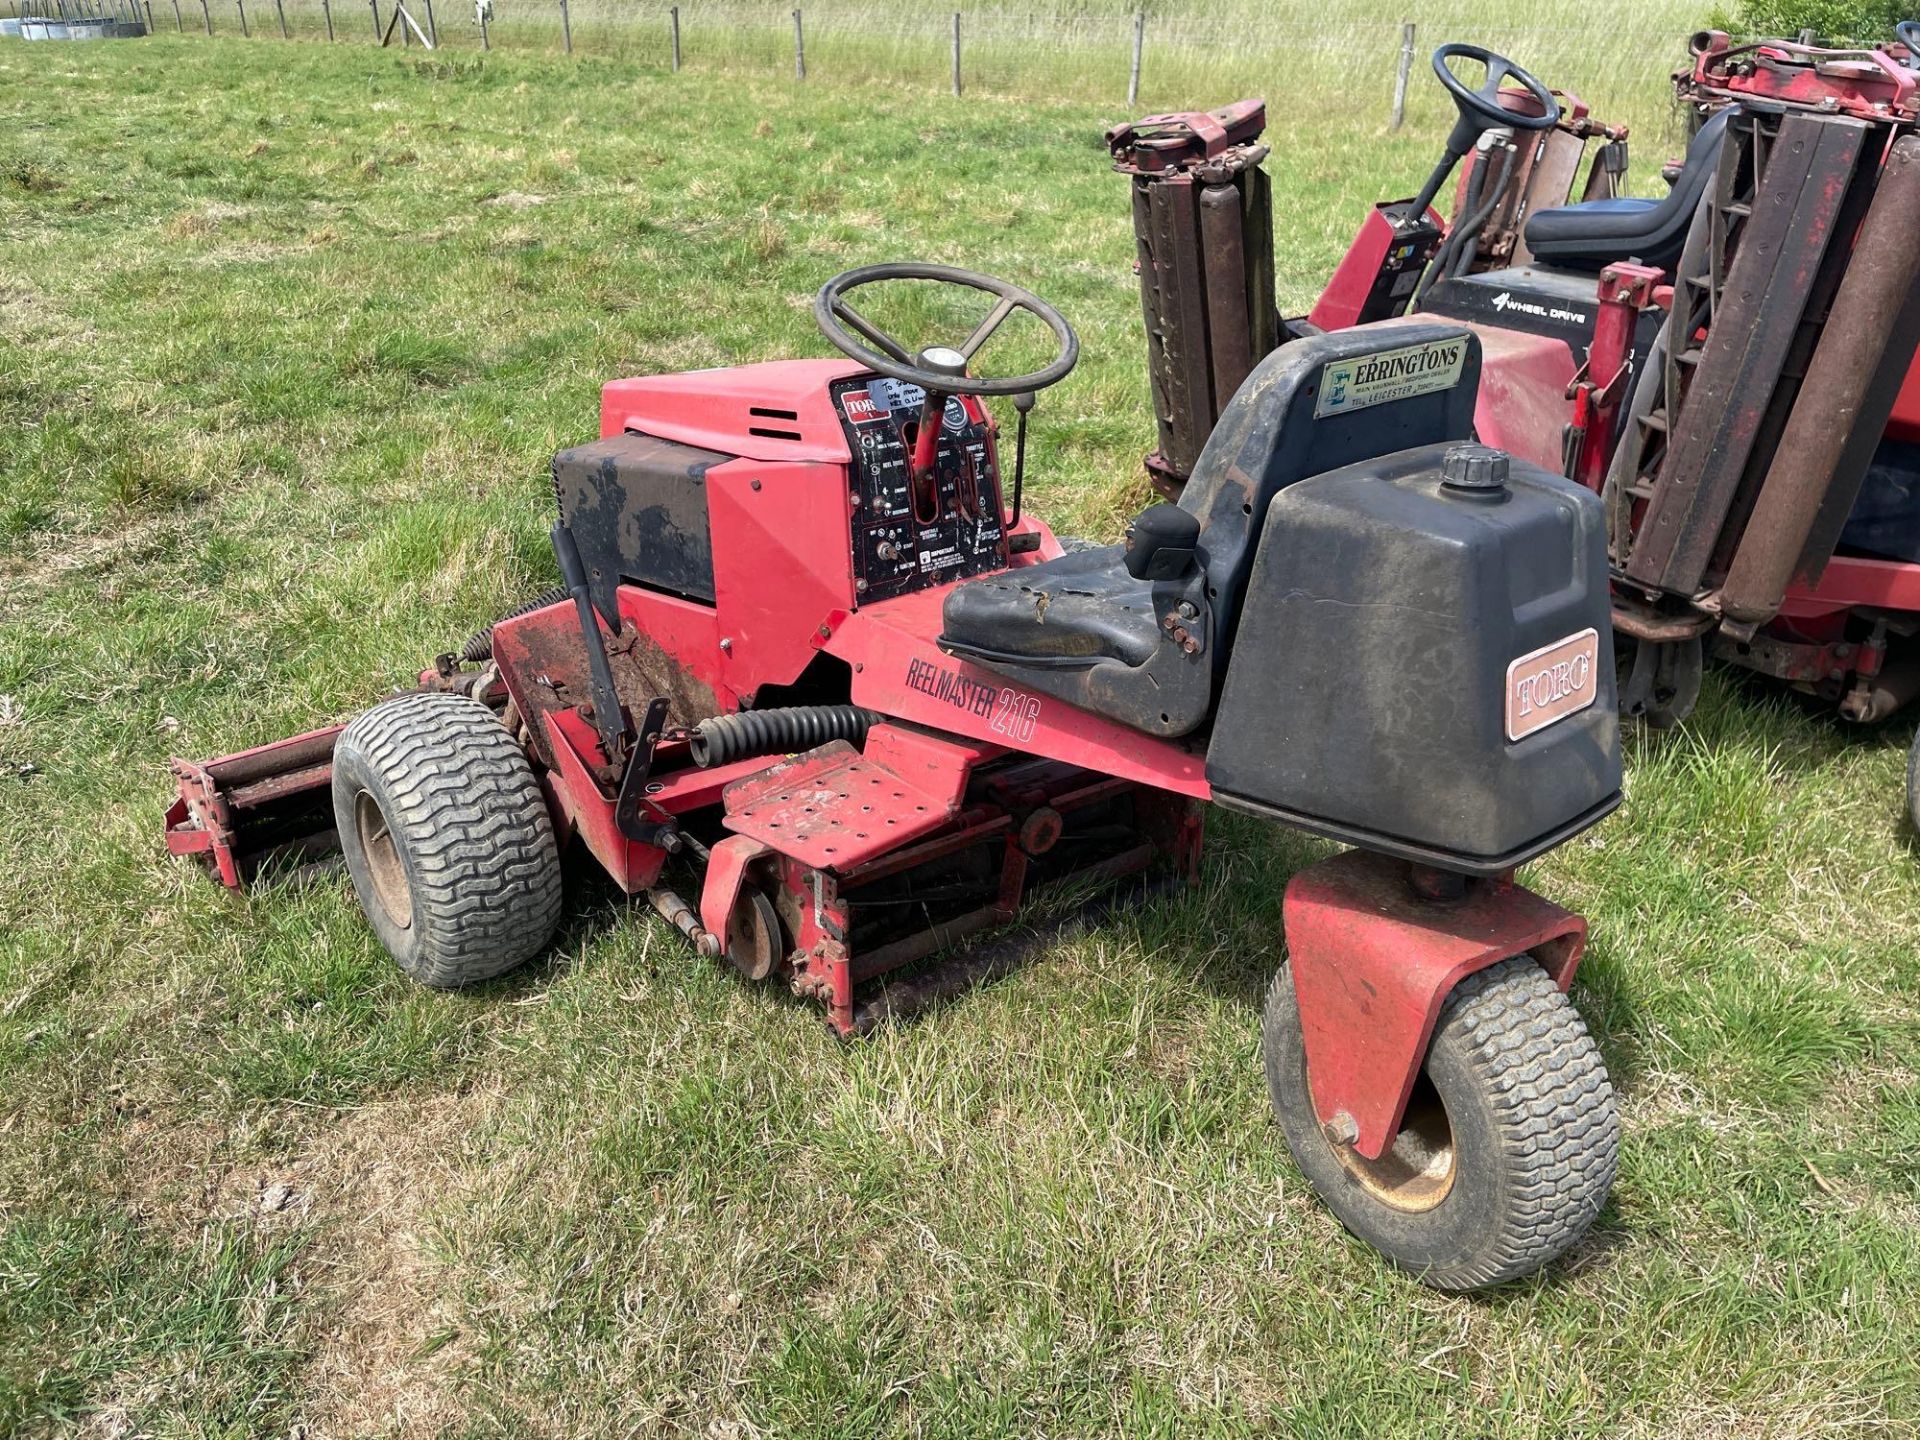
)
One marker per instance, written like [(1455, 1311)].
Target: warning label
[(1389, 375)]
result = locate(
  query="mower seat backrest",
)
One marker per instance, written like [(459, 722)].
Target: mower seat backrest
[(1597, 233), (1313, 405)]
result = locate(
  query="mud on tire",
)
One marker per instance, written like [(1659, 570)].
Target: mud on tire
[(1510, 1143), (447, 838)]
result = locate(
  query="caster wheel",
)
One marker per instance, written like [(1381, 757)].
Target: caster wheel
[(755, 943), (447, 838), (1509, 1142)]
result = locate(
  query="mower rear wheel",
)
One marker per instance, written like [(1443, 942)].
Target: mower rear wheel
[(1509, 1143), (447, 838)]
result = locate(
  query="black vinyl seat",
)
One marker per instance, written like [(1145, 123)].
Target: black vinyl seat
[(1596, 233), (1141, 632)]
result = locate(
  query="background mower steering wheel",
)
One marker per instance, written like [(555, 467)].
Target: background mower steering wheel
[(1909, 33), (1482, 108), (878, 350)]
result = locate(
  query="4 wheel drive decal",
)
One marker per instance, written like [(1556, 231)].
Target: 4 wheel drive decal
[(1009, 712)]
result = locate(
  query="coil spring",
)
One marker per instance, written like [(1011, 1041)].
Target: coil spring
[(479, 645), (725, 738)]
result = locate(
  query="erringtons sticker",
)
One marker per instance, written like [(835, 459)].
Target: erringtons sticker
[(1390, 375)]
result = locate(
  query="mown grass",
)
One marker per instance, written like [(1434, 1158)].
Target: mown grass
[(289, 334)]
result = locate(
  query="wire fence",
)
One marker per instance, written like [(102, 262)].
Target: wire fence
[(1287, 50)]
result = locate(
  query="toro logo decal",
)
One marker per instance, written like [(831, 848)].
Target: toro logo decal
[(1007, 711), (1552, 683), (861, 407), (1388, 375)]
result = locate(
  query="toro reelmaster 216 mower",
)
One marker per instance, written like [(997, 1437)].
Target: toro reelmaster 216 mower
[(814, 660), (1730, 365)]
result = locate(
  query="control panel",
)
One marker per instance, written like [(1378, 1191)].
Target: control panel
[(905, 541)]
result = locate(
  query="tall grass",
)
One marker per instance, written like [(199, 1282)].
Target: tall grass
[(1314, 67)]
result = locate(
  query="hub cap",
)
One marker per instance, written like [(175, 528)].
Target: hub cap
[(1415, 1172), (383, 861)]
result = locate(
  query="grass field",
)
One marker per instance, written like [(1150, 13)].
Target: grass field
[(287, 334)]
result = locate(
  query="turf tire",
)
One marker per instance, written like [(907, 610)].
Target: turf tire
[(463, 882), (1531, 1114)]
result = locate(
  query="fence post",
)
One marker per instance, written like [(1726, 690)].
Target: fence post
[(147, 5), (956, 54), (1400, 75), (566, 27), (326, 9), (376, 19), (486, 40), (241, 5), (179, 26), (280, 9), (206, 15), (799, 50), (433, 30), (1139, 42), (673, 29)]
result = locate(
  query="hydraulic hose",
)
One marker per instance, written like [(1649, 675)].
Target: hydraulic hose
[(479, 646), (726, 738)]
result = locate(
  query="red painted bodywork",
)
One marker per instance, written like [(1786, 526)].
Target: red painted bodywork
[(1340, 304), (1373, 963)]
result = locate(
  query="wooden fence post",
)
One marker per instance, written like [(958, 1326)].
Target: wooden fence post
[(179, 25), (206, 14), (566, 27), (1139, 43), (956, 54), (799, 50), (673, 29), (1400, 75), (326, 9), (376, 19), (280, 9), (241, 5)]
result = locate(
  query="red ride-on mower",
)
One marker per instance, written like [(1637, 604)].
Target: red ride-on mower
[(1731, 365), (814, 665)]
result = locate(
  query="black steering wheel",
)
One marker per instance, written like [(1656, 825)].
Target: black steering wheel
[(1909, 33), (1482, 108), (938, 368)]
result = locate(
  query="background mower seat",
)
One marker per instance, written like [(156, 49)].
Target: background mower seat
[(1141, 632), (1596, 233)]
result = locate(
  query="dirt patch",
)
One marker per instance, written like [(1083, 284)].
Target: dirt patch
[(389, 1360), (365, 1189)]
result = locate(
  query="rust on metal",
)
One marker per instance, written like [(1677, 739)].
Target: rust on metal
[(1844, 403), (1781, 244), (1203, 231)]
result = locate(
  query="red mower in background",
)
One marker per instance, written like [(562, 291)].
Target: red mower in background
[(823, 694), (1731, 365)]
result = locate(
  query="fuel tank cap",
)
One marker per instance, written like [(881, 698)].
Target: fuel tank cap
[(1475, 471)]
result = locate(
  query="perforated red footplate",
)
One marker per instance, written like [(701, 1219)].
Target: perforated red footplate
[(832, 809)]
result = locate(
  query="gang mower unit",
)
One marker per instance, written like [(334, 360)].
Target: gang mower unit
[(825, 695), (1730, 366)]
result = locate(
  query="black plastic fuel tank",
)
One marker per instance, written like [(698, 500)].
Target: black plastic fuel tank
[(1424, 663)]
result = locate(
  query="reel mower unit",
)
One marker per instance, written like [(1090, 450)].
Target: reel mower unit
[(822, 693)]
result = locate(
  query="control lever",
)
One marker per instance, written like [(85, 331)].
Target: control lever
[(609, 719), (1023, 403), (627, 810)]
